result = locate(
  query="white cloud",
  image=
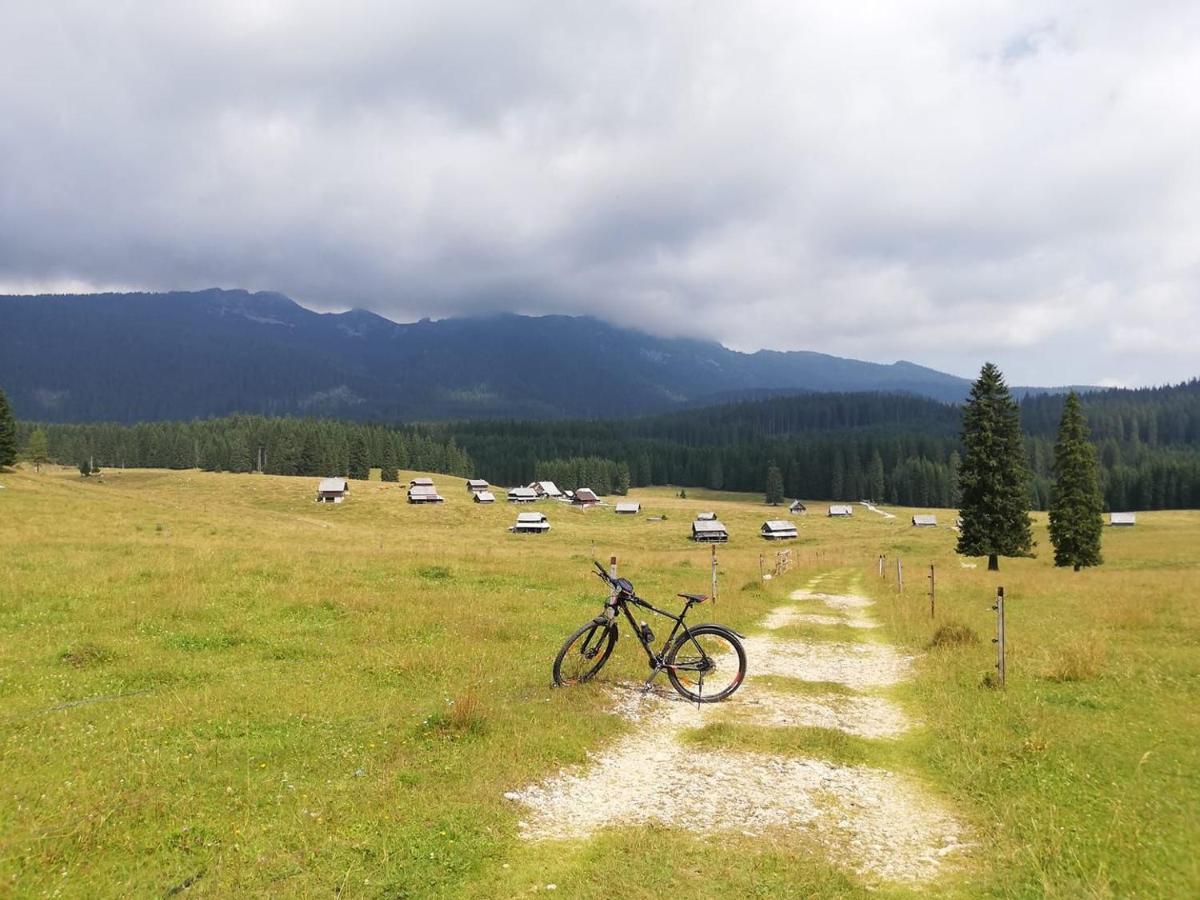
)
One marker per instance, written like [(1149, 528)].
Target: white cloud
[(935, 181)]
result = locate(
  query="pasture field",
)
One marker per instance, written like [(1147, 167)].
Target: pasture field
[(212, 686)]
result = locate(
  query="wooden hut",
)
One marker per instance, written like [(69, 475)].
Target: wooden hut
[(709, 531), (924, 521), (424, 493), (585, 497), (332, 490), (706, 517), (628, 508), (797, 508), (1122, 518), (474, 485), (546, 489), (841, 509), (778, 530), (521, 495), (484, 497), (421, 482), (530, 523)]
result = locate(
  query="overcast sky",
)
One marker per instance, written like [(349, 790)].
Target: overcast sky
[(944, 182)]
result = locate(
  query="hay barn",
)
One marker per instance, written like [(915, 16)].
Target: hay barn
[(709, 531), (530, 523), (332, 490), (778, 530)]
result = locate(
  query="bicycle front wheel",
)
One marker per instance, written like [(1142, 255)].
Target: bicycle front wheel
[(585, 653), (707, 664)]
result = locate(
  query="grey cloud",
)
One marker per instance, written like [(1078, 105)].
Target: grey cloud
[(928, 181)]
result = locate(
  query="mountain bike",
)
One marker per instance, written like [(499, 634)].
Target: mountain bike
[(704, 663)]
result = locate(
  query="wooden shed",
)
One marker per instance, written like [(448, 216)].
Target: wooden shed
[(530, 523), (484, 497), (545, 489), (332, 490), (421, 482), (709, 531), (924, 521), (706, 517), (424, 493), (778, 530), (477, 484), (841, 509), (585, 497), (628, 508), (1122, 518), (521, 495), (797, 508)]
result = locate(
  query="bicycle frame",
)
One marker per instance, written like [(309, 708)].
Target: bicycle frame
[(657, 660)]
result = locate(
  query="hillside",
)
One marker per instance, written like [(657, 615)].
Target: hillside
[(149, 357)]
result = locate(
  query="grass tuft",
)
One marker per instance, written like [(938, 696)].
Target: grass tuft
[(953, 634), (86, 655), (1078, 659), (435, 573)]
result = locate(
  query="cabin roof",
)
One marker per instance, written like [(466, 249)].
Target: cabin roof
[(484, 497), (422, 482), (707, 525), (841, 509), (778, 525), (331, 485), (631, 507), (706, 517), (1122, 518), (587, 495), (924, 520), (477, 484), (530, 518)]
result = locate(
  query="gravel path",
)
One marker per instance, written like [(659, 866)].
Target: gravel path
[(882, 825)]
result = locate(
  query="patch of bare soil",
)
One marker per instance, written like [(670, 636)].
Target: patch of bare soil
[(783, 616), (858, 666)]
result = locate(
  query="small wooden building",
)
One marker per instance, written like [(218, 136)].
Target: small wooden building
[(484, 497), (1122, 518), (628, 508), (424, 493), (841, 509), (585, 497), (421, 482), (477, 484), (778, 530), (709, 531), (706, 517), (546, 489), (797, 508), (530, 523), (332, 490), (521, 495), (924, 521)]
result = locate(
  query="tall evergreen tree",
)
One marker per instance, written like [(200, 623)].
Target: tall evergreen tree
[(994, 474), (774, 491), (388, 470), (37, 451), (1075, 523), (8, 433), (360, 461)]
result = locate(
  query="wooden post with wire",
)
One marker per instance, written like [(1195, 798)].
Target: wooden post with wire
[(714, 573), (882, 560), (998, 640), (899, 575), (932, 591)]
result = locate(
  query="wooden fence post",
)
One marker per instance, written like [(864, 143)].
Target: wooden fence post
[(998, 640)]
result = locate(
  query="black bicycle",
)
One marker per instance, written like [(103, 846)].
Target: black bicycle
[(705, 664)]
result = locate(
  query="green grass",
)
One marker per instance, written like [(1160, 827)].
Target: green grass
[(210, 684)]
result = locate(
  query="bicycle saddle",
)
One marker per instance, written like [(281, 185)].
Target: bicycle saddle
[(695, 598)]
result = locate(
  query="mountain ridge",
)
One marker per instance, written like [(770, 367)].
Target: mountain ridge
[(147, 356)]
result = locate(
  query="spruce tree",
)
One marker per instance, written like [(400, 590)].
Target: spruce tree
[(388, 470), (774, 492), (8, 433), (994, 474), (37, 451), (360, 462), (1075, 523)]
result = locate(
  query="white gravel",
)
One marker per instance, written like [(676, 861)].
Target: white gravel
[(783, 616), (858, 666)]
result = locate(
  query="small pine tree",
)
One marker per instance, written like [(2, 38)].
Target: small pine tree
[(8, 433), (1075, 523), (360, 461), (37, 451), (994, 474), (622, 486), (774, 492), (388, 470), (85, 467)]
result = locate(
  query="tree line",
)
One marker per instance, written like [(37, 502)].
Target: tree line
[(894, 449)]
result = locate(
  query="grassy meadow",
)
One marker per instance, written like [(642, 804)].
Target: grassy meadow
[(212, 686)]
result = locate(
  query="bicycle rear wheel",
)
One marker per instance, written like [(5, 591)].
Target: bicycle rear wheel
[(585, 653), (707, 664)]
